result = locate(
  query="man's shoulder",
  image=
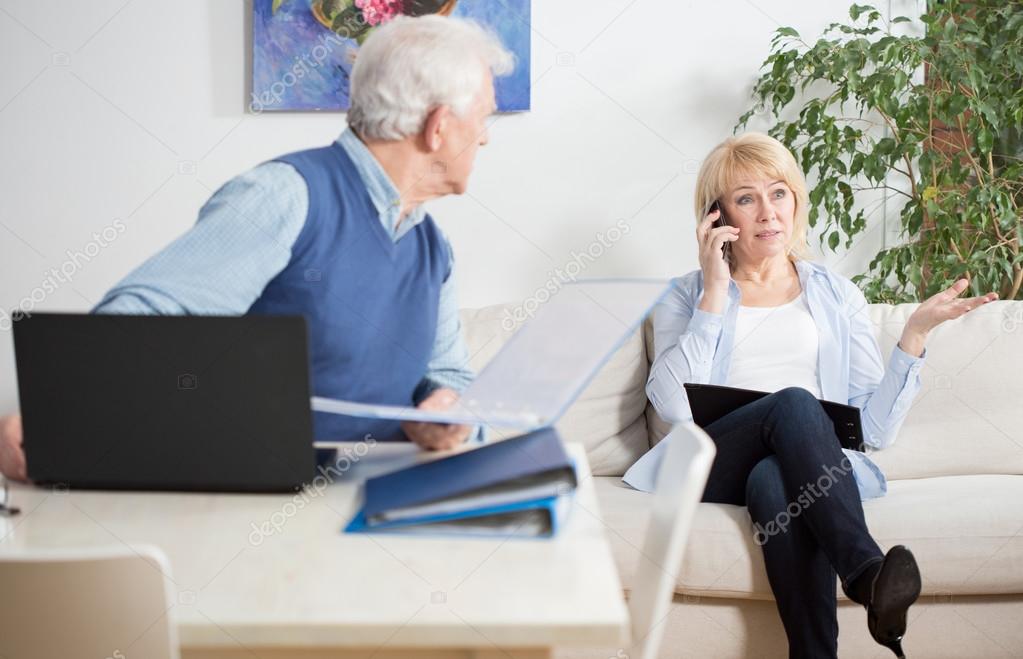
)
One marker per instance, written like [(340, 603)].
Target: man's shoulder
[(270, 186), (317, 167), (306, 155), (273, 174)]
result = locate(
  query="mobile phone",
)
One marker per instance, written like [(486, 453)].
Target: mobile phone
[(720, 222)]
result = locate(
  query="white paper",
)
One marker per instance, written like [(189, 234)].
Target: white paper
[(545, 365)]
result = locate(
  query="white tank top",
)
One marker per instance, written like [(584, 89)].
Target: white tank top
[(774, 348)]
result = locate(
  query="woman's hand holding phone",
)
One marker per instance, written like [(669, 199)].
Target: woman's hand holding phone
[(712, 235)]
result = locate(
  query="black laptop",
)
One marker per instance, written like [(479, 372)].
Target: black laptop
[(710, 402), (165, 402)]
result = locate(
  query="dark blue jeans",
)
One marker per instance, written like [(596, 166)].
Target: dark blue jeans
[(780, 457)]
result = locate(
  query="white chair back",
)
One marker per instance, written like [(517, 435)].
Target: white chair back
[(680, 482), (109, 602)]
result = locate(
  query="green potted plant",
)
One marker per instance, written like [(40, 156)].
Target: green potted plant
[(931, 121)]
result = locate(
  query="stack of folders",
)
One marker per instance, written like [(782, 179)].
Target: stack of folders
[(520, 487)]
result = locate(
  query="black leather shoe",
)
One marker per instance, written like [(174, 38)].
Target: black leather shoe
[(895, 588)]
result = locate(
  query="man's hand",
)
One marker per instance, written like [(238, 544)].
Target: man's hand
[(12, 457), (437, 436)]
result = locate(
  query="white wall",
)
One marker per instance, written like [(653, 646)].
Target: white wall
[(136, 111)]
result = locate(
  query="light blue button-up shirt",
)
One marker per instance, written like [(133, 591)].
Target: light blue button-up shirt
[(692, 345), (243, 239)]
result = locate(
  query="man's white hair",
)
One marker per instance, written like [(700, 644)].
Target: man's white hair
[(410, 66)]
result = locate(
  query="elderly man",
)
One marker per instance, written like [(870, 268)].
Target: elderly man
[(338, 234)]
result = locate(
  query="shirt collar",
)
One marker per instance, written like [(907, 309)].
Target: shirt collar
[(804, 270), (382, 191)]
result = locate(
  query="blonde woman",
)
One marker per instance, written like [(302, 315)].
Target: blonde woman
[(759, 315)]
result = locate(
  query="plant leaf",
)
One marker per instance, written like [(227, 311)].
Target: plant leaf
[(985, 140), (833, 240), (858, 10)]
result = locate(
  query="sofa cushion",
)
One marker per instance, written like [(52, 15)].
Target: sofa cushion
[(607, 418), (965, 532)]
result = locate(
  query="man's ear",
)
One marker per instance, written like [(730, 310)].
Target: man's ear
[(435, 126)]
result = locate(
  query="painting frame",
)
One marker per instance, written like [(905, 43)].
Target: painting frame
[(303, 50)]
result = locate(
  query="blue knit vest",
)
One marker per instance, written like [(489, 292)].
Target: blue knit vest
[(370, 303)]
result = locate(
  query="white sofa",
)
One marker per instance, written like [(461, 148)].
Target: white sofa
[(955, 498)]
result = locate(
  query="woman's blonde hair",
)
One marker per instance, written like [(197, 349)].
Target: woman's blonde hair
[(755, 156)]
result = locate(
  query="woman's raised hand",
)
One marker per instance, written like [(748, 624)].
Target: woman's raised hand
[(946, 305), (935, 310)]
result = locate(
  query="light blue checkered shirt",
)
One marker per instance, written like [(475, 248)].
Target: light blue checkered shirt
[(243, 239)]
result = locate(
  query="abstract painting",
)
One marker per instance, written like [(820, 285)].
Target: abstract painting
[(303, 50)]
